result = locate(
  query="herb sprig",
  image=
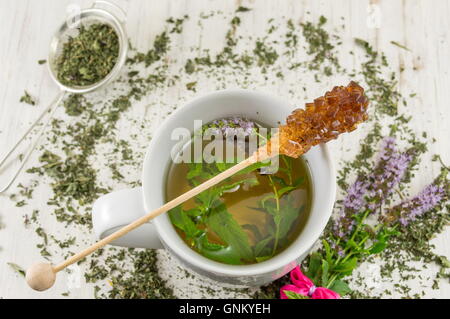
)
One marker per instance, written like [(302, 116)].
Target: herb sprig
[(211, 213)]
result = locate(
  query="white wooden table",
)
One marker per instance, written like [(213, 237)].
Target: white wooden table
[(26, 29)]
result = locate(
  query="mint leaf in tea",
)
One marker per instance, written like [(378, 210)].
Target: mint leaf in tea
[(248, 218)]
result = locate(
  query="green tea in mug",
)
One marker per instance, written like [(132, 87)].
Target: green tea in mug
[(246, 219)]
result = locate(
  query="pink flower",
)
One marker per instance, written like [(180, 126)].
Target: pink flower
[(302, 285)]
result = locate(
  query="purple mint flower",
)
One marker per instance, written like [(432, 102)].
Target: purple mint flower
[(229, 131), (403, 221), (389, 171), (235, 126), (370, 192), (388, 147), (355, 196), (430, 197), (393, 169), (337, 248), (237, 121), (247, 126)]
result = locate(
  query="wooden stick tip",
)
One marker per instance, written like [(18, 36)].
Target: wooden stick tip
[(40, 276)]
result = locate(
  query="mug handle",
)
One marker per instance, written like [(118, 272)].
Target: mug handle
[(115, 210)]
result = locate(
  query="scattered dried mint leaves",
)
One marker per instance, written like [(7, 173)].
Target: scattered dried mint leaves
[(265, 55), (228, 57), (191, 86), (74, 178), (414, 240), (382, 91), (19, 270), (141, 282), (76, 105), (177, 24), (88, 57), (74, 181), (28, 99), (243, 9), (400, 45), (160, 47), (320, 47), (291, 37)]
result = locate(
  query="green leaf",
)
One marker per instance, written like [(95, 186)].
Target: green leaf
[(224, 255), (284, 170), (315, 260), (195, 170), (294, 295), (259, 209), (444, 262), (251, 181), (209, 198), (182, 221), (325, 268), (350, 244), (17, 269), (221, 166), (346, 267), (228, 230), (254, 229), (252, 168), (204, 244), (378, 247), (263, 201), (259, 247), (271, 208), (328, 253), (279, 180), (299, 181), (194, 212), (277, 220), (289, 213), (340, 287), (284, 190)]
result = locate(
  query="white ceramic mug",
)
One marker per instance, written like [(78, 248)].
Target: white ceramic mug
[(118, 209)]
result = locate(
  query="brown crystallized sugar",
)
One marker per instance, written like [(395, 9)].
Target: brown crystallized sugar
[(339, 111)]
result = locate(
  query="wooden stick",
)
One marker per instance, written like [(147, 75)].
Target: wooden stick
[(42, 276), (166, 207)]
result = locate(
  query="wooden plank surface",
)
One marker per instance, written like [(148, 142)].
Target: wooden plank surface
[(27, 27)]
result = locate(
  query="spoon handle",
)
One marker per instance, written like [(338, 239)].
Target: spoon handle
[(50, 109)]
